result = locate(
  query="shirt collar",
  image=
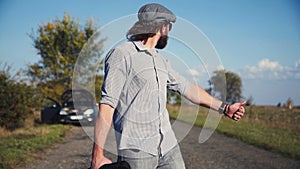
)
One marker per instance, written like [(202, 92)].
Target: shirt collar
[(140, 46)]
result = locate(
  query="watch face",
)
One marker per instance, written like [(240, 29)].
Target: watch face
[(222, 108)]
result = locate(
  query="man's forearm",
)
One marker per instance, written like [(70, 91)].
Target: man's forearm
[(102, 127), (199, 96)]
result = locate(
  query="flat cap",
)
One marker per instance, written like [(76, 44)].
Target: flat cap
[(155, 13)]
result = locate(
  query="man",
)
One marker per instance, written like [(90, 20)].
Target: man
[(134, 97)]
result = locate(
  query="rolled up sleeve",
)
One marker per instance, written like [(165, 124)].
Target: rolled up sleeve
[(114, 78), (176, 82)]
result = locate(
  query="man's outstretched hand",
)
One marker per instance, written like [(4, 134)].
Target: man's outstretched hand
[(236, 111)]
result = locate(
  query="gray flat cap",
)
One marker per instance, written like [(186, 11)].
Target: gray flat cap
[(155, 13)]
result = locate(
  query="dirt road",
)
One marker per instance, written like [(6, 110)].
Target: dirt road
[(218, 152)]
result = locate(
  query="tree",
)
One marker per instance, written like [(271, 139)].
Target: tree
[(59, 44), (233, 91), (17, 100), (173, 97)]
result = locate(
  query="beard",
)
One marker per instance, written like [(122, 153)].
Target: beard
[(162, 42)]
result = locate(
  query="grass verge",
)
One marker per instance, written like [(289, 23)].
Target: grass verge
[(271, 128), (21, 146)]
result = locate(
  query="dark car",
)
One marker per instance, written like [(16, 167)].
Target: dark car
[(77, 107)]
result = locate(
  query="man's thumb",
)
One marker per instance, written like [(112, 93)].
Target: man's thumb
[(243, 103)]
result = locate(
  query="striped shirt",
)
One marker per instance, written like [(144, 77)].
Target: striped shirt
[(135, 84)]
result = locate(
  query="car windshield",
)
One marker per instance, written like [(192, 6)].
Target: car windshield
[(82, 99)]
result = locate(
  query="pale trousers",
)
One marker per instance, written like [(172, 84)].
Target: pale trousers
[(141, 160)]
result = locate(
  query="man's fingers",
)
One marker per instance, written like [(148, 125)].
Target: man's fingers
[(237, 117), (238, 113)]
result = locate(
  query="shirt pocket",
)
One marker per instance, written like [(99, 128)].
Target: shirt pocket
[(134, 85)]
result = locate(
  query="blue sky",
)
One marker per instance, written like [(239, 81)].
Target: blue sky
[(259, 40)]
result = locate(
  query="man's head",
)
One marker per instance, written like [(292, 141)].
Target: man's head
[(153, 19)]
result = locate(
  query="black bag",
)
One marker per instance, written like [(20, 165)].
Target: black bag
[(116, 165)]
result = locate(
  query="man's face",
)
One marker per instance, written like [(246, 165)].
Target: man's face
[(163, 40)]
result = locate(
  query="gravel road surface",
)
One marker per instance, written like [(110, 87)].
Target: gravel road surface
[(218, 152)]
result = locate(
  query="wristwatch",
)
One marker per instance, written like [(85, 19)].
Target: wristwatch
[(222, 108)]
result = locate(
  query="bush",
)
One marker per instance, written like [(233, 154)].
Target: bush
[(17, 101)]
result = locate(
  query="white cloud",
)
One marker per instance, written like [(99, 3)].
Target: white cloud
[(220, 67), (268, 69), (266, 64), (201, 70), (193, 72)]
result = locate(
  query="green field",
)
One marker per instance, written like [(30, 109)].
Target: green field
[(276, 129), (23, 145)]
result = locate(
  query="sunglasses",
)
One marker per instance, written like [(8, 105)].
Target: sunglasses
[(170, 26)]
